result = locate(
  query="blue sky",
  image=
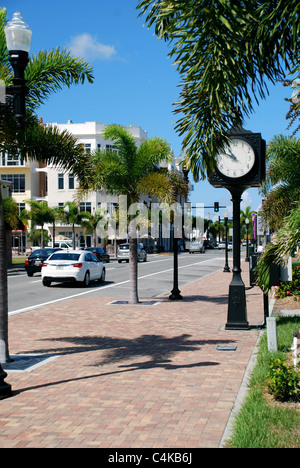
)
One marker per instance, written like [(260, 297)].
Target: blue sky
[(135, 80)]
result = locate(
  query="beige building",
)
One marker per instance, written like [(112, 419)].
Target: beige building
[(31, 180)]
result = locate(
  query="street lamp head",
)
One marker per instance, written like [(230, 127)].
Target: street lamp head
[(226, 214), (18, 34), (247, 221)]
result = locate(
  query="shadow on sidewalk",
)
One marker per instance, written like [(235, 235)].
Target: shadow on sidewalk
[(159, 348)]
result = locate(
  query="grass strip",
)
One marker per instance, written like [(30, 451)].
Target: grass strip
[(262, 422)]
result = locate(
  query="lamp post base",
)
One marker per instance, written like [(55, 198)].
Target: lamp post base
[(5, 388), (175, 295), (237, 309)]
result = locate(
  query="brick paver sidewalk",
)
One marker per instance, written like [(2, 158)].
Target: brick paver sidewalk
[(129, 376)]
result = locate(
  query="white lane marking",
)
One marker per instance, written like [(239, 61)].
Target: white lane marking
[(26, 309)]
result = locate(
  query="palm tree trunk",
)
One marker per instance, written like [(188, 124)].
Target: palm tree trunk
[(43, 237), (133, 271), (4, 354), (73, 236)]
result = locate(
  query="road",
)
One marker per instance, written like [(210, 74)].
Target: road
[(155, 279)]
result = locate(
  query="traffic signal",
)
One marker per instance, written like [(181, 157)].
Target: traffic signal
[(216, 207)]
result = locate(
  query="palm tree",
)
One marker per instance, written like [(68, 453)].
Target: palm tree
[(47, 72), (281, 189), (132, 171), (57, 216), (247, 214), (90, 223), (40, 214), (71, 215)]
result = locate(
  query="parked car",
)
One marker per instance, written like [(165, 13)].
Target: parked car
[(207, 244), (33, 264), (222, 245), (196, 247), (123, 253), (101, 254), (65, 244), (72, 266)]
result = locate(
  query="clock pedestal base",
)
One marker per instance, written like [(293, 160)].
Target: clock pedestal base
[(237, 309)]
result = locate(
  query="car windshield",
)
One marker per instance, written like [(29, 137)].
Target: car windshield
[(41, 253), (65, 256), (124, 247)]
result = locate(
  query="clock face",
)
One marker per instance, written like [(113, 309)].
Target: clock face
[(237, 159)]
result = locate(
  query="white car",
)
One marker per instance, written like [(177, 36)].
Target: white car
[(196, 247), (222, 245), (123, 253), (72, 266)]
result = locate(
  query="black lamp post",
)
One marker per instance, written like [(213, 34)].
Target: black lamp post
[(18, 38), (247, 240), (226, 267)]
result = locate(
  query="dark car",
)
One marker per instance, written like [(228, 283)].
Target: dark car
[(34, 262), (208, 244), (101, 254)]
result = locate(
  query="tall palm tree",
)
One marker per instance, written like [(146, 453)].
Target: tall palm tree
[(47, 72), (132, 171)]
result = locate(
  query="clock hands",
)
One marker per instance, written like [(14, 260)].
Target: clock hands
[(232, 156)]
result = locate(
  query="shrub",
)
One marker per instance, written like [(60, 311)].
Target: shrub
[(290, 288), (283, 380)]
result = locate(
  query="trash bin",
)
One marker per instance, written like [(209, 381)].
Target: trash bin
[(253, 261), (274, 272), (250, 249)]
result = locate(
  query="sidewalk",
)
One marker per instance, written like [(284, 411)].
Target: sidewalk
[(147, 376)]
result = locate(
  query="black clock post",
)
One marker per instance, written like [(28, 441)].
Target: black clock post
[(236, 172), (237, 309)]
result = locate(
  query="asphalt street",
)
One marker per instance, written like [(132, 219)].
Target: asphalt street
[(155, 279)]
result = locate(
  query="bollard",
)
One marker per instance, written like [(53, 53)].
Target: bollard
[(272, 333)]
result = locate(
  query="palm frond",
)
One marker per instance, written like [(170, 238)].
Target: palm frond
[(49, 145), (279, 249), (150, 154), (5, 68), (50, 71)]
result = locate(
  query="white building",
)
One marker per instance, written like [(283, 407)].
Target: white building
[(31, 180), (62, 186)]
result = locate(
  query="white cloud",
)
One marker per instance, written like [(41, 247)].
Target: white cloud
[(246, 200), (87, 46)]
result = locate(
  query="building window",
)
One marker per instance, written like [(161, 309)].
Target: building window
[(86, 206), (60, 181), (71, 181), (11, 159), (87, 147), (18, 182), (111, 148), (21, 207)]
